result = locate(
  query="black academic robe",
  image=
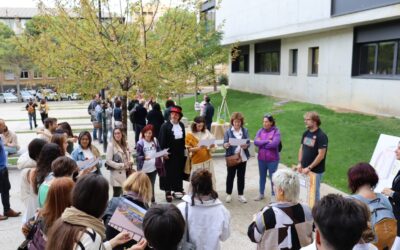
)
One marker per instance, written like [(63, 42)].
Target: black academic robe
[(174, 166)]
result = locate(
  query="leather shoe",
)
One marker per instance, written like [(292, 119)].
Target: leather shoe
[(12, 213), (2, 217)]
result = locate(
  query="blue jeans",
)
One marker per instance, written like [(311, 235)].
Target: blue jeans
[(317, 185), (32, 117), (264, 167), (94, 133)]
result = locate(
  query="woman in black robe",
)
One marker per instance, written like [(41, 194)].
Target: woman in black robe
[(172, 136)]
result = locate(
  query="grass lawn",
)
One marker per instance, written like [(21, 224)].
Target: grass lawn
[(352, 136)]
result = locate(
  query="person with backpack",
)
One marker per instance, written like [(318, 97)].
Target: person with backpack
[(268, 141), (31, 108), (362, 179), (92, 113)]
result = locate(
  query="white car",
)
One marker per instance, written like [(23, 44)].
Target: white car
[(70, 96), (8, 97), (26, 96)]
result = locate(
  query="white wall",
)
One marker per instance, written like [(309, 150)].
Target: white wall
[(333, 86), (258, 19)]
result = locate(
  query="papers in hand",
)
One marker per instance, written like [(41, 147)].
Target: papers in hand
[(128, 217), (161, 153), (88, 163), (237, 142), (206, 142)]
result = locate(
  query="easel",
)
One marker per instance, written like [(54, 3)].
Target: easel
[(223, 109)]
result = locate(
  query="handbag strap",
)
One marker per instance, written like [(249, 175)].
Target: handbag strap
[(187, 223)]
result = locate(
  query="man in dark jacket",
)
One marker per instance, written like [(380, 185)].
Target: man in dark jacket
[(140, 118), (208, 112)]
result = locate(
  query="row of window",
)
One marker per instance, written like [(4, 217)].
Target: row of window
[(9, 75), (267, 59)]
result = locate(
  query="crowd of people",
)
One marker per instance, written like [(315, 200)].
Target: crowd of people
[(67, 206)]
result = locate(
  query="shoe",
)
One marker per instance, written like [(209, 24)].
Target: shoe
[(228, 198), (168, 197), (242, 199), (2, 217), (12, 213), (178, 195), (259, 197)]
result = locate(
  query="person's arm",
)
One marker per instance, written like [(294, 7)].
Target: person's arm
[(256, 228), (109, 158), (245, 136), (257, 140), (226, 229), (14, 141), (140, 157), (276, 139), (226, 139)]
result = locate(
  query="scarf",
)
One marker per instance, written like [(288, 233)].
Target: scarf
[(77, 217)]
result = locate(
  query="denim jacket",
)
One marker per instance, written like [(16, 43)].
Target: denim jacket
[(77, 155), (267, 142), (231, 150)]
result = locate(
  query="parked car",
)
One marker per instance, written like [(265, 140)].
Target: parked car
[(26, 96), (48, 94), (70, 96), (8, 97)]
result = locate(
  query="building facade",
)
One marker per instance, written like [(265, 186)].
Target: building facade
[(340, 53)]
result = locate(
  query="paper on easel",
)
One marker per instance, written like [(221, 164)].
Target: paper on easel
[(206, 142), (161, 153), (237, 142)]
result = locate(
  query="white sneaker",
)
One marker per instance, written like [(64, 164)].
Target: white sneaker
[(259, 197), (228, 198), (242, 199)]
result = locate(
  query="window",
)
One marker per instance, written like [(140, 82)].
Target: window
[(313, 54), (267, 57), (24, 74), (379, 59), (367, 59), (9, 75), (240, 59), (376, 50), (293, 61), (37, 74)]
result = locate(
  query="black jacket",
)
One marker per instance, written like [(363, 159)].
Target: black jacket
[(156, 119)]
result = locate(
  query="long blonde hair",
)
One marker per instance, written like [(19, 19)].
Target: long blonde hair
[(139, 183)]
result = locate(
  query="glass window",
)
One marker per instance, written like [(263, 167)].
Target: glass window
[(24, 74), (267, 62), (293, 61), (37, 74), (9, 75), (240, 63), (385, 58), (314, 60), (398, 59), (367, 59)]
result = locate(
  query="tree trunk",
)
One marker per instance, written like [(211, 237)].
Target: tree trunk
[(18, 83), (214, 76), (125, 112), (195, 88)]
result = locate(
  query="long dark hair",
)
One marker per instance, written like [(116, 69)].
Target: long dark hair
[(49, 153), (85, 133), (202, 185)]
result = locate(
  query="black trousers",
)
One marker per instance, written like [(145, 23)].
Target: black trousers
[(5, 187), (138, 129), (152, 176), (44, 116), (241, 172)]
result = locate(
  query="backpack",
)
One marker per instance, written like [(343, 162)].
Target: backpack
[(132, 114), (31, 109), (383, 222)]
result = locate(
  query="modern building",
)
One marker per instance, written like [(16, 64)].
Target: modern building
[(340, 53)]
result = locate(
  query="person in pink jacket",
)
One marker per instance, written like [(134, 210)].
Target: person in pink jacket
[(268, 141)]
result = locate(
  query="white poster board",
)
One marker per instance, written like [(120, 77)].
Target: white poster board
[(384, 160)]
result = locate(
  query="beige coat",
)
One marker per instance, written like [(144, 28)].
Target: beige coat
[(117, 169)]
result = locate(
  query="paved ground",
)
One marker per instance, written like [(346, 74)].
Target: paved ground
[(10, 233)]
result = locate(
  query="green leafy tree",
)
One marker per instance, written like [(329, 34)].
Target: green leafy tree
[(126, 52), (11, 56)]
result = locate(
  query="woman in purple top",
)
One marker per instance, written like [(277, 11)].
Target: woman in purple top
[(267, 140)]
